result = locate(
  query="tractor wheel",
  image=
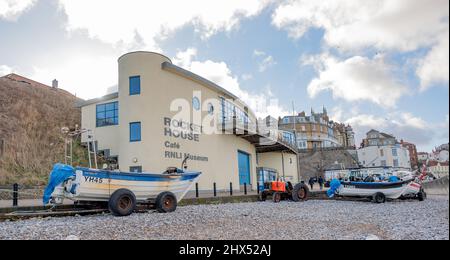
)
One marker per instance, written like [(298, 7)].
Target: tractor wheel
[(379, 198), (263, 196), (277, 197), (300, 192)]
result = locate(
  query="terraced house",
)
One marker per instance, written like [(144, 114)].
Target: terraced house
[(318, 131)]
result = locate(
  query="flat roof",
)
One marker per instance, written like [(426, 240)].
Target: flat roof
[(97, 100), (192, 76)]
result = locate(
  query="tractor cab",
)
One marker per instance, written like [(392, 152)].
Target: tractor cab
[(271, 184)]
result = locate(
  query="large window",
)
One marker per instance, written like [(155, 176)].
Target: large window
[(229, 110), (135, 132), (107, 114), (135, 85)]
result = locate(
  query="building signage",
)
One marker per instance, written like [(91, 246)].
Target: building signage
[(179, 129)]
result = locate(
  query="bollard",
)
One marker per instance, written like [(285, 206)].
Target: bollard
[(245, 188), (231, 189), (257, 188), (15, 195), (196, 190), (215, 190)]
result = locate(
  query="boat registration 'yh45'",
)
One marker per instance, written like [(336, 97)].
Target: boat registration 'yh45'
[(122, 191)]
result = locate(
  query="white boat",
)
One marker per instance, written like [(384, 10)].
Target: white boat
[(121, 190), (378, 191)]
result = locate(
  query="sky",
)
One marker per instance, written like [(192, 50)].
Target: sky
[(374, 64)]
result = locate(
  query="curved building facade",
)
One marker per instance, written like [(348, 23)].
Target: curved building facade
[(162, 114)]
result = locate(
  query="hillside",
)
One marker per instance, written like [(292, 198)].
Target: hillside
[(31, 118)]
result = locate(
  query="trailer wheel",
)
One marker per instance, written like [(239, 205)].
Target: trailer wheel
[(379, 198), (166, 202), (122, 203), (300, 192), (277, 197), (421, 196)]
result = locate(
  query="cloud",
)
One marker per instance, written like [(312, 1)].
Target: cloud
[(266, 62), (353, 24), (355, 79), (5, 70), (123, 19), (434, 68), (10, 10), (246, 77), (84, 75), (403, 125), (262, 104)]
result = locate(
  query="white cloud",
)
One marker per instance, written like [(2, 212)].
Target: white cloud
[(353, 24), (121, 20), (266, 61), (403, 125), (10, 10), (184, 58), (5, 70), (357, 78), (84, 75), (434, 68), (246, 77), (262, 104)]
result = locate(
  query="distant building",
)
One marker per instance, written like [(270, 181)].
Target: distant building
[(382, 150), (318, 131), (422, 157), (438, 169), (413, 156), (440, 154)]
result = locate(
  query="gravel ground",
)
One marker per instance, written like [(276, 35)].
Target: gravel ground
[(255, 221)]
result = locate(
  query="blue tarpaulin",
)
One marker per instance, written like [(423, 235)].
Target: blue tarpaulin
[(59, 174), (334, 186), (394, 179)]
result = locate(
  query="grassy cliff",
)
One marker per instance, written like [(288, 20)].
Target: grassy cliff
[(31, 118)]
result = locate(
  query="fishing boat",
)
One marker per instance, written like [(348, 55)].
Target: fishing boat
[(379, 192), (122, 191)]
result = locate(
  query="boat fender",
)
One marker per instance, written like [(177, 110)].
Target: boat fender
[(334, 187)]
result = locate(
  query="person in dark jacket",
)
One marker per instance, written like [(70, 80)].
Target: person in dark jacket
[(321, 182), (311, 183)]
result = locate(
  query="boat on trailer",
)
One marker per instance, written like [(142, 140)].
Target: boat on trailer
[(379, 192), (122, 191)]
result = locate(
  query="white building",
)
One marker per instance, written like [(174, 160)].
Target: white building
[(384, 156)]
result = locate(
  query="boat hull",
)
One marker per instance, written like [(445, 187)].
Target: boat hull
[(98, 186), (390, 190)]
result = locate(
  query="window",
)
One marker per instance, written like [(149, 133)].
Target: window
[(210, 109), (383, 163), (382, 152), (303, 128), (107, 114), (135, 85), (135, 132), (136, 169), (286, 120), (395, 163), (196, 103), (394, 152)]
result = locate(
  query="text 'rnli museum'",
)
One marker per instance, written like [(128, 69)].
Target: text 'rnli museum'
[(162, 114)]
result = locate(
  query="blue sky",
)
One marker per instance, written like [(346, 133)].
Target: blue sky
[(375, 64)]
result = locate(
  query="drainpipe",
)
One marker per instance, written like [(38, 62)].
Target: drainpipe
[(282, 165)]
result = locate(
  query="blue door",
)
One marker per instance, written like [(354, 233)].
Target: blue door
[(244, 168)]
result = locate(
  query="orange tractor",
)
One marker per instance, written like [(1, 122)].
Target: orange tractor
[(281, 190)]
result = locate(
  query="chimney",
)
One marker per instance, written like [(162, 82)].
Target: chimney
[(55, 83)]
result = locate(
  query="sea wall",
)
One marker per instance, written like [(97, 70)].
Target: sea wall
[(437, 187)]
